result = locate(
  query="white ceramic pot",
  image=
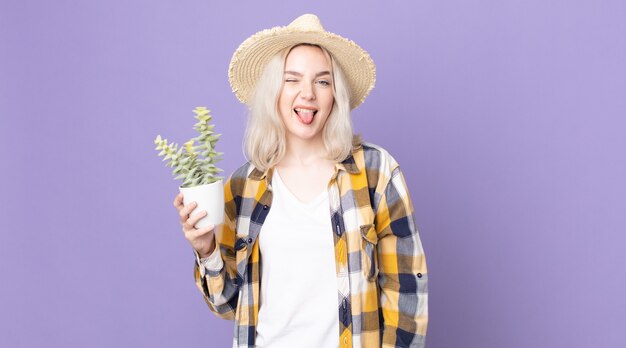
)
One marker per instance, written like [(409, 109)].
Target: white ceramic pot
[(210, 197)]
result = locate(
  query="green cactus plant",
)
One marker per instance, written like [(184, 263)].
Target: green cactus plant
[(195, 164)]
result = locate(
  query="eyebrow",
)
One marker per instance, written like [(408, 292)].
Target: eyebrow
[(321, 73)]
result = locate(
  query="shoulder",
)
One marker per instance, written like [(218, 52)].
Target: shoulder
[(376, 162), (242, 172), (237, 180), (379, 159)]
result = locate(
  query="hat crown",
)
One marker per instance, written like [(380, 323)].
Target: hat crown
[(307, 22), (249, 60)]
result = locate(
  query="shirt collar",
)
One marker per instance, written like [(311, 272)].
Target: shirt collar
[(258, 175), (348, 165)]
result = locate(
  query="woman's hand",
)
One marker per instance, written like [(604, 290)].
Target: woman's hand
[(201, 239)]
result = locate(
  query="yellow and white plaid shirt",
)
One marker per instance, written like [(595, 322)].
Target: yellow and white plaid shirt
[(381, 268)]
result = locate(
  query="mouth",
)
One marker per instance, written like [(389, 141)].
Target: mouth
[(305, 115)]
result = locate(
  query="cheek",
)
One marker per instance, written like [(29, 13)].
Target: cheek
[(285, 98), (329, 100), (283, 105)]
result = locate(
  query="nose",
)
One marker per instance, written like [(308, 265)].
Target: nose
[(307, 92)]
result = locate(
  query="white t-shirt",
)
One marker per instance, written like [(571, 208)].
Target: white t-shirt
[(298, 300)]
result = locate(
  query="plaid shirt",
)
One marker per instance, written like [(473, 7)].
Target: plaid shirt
[(381, 268)]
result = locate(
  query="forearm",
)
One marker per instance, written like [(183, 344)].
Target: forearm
[(405, 315), (217, 285)]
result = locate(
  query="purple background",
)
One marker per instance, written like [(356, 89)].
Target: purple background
[(506, 116)]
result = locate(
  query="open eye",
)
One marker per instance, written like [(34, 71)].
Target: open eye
[(324, 83)]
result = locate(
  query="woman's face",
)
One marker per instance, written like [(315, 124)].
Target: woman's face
[(306, 98)]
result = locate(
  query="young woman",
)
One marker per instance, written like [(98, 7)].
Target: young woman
[(319, 247)]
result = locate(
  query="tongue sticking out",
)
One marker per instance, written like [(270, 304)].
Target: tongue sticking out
[(305, 117)]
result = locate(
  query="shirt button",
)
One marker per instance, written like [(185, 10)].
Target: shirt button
[(249, 240), (265, 207), (419, 275)]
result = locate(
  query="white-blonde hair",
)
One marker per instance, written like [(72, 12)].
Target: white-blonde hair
[(265, 142)]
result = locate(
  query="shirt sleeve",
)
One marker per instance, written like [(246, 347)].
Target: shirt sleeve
[(402, 268), (216, 275)]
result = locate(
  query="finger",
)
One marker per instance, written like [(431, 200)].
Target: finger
[(193, 234), (178, 201), (202, 231), (189, 221), (193, 219), (184, 213)]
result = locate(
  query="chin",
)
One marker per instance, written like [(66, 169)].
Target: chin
[(305, 135)]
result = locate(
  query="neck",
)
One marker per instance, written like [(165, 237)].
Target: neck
[(304, 152)]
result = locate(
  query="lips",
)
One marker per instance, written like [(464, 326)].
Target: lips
[(305, 115)]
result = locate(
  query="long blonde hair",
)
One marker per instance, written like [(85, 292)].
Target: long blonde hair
[(265, 142)]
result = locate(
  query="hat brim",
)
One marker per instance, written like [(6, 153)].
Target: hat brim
[(254, 53)]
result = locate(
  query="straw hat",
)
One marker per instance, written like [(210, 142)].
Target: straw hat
[(253, 54)]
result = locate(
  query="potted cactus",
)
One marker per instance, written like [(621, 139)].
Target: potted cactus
[(194, 162)]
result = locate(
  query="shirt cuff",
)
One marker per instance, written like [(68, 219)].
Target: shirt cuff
[(212, 263)]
